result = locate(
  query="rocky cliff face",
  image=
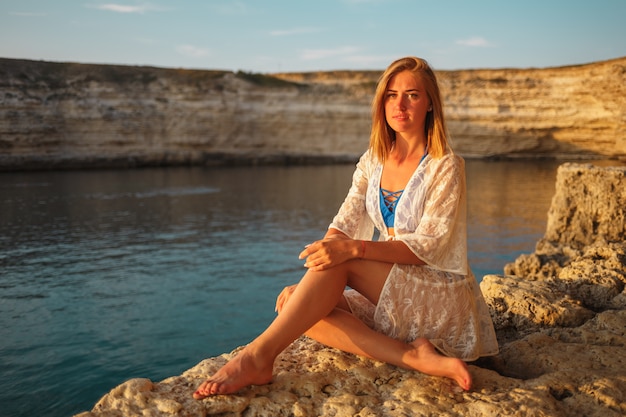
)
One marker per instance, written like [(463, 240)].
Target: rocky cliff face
[(55, 115), (560, 317)]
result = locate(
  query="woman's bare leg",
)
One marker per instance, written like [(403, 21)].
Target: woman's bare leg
[(311, 307), (315, 297), (342, 330)]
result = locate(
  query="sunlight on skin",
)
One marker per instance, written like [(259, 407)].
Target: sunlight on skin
[(245, 370)]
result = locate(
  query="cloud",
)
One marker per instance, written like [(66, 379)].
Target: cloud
[(295, 31), (124, 8), (314, 54), (475, 42), (193, 51), (375, 60)]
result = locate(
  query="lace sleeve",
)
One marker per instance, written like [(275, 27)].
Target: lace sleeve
[(440, 236), (352, 218)]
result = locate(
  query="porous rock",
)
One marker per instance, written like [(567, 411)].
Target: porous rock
[(589, 205)]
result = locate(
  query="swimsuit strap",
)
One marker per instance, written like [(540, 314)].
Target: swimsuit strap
[(391, 198)]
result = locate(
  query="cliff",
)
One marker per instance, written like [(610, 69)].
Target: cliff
[(65, 115), (560, 316)]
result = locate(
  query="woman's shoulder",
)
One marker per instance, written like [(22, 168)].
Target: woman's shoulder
[(368, 160), (368, 155), (449, 160)]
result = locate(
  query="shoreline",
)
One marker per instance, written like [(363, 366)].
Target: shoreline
[(230, 159)]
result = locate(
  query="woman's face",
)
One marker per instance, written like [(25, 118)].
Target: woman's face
[(406, 104)]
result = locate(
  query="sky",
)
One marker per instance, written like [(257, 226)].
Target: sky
[(314, 35)]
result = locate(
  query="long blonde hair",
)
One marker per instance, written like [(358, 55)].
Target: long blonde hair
[(382, 136)]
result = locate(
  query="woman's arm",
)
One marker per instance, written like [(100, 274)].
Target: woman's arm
[(337, 247), (352, 218)]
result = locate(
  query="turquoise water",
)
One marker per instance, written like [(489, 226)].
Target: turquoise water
[(112, 275)]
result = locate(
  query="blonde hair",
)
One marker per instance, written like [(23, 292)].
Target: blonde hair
[(382, 136)]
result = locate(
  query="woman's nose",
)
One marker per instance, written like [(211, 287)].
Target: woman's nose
[(400, 103)]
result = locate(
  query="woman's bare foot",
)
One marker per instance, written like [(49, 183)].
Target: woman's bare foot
[(426, 359), (245, 369)]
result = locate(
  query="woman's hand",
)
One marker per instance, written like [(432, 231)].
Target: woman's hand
[(283, 297), (329, 252)]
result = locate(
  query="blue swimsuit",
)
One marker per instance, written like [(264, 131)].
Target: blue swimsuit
[(389, 200)]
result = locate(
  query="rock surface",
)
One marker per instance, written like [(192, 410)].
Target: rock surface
[(560, 315), (64, 115)]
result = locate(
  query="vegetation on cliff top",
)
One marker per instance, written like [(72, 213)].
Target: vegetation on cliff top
[(60, 74)]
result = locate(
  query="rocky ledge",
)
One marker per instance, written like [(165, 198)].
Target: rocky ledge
[(66, 115), (560, 315)]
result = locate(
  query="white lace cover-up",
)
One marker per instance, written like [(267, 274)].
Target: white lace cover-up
[(440, 301)]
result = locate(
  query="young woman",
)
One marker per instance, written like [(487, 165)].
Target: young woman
[(413, 301)]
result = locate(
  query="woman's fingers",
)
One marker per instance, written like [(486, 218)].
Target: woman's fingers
[(311, 254), (323, 254), (283, 297), (305, 253)]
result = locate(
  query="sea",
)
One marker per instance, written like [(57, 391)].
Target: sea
[(108, 275)]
